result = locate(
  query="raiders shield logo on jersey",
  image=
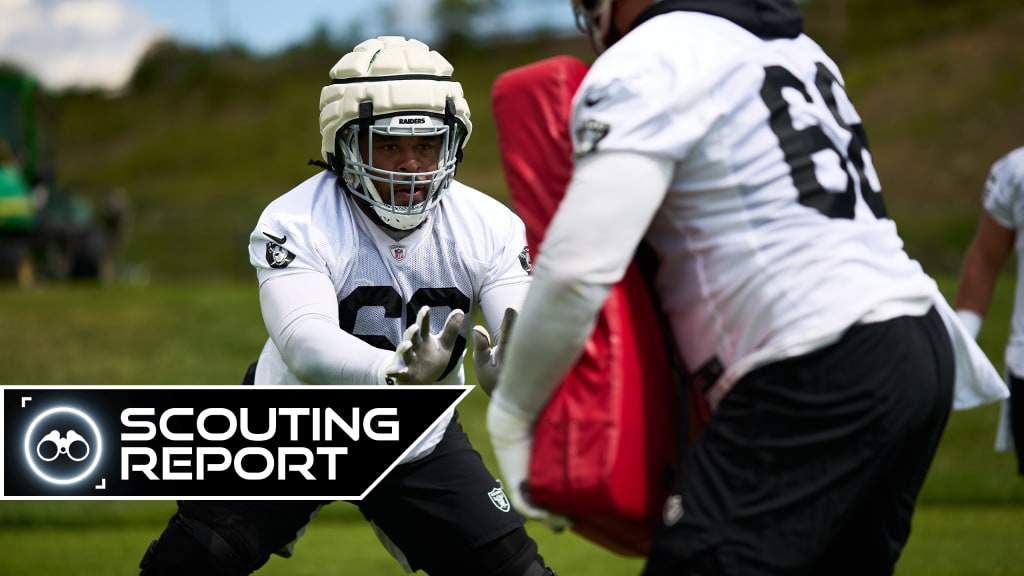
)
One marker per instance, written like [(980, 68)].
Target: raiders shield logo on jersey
[(278, 256), (588, 134), (524, 260)]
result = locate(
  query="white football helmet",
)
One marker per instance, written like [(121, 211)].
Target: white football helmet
[(594, 18), (398, 87)]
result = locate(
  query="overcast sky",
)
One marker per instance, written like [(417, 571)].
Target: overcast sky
[(97, 43)]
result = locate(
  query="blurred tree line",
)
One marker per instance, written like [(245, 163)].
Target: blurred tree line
[(202, 138)]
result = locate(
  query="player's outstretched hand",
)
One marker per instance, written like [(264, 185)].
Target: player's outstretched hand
[(512, 439), (422, 357), (488, 356)]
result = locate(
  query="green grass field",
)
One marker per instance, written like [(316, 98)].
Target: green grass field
[(970, 518)]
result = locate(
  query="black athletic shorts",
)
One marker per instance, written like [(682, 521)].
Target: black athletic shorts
[(429, 511), (812, 465), (441, 505), (1016, 401)]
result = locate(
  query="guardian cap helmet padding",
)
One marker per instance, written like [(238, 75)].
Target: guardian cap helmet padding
[(398, 87)]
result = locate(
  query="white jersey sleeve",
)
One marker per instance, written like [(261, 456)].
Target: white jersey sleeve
[(1004, 200), (1003, 197)]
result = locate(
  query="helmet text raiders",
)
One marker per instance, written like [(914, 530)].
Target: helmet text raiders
[(387, 87)]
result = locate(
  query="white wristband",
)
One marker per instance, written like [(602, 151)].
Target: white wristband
[(971, 320)]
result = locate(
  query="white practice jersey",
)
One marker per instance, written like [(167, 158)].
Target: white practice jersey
[(469, 255), (1004, 201), (772, 236)]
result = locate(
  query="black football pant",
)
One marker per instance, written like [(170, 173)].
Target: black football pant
[(812, 465)]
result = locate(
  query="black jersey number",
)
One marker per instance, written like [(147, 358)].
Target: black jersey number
[(391, 301), (799, 145)]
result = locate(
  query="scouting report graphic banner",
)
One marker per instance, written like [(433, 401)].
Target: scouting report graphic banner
[(210, 442)]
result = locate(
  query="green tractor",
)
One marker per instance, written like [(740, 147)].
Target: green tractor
[(45, 233)]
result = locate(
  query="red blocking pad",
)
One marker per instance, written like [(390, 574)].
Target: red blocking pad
[(605, 447)]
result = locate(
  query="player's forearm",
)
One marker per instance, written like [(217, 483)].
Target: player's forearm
[(495, 299), (989, 250), (320, 353), (977, 281), (300, 312), (559, 315)]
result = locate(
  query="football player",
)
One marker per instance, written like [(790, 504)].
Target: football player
[(994, 240), (366, 274), (723, 136)]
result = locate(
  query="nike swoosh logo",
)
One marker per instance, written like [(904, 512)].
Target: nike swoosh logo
[(276, 240), (594, 100)]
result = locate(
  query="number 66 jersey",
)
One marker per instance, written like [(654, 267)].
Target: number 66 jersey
[(772, 236), (337, 292)]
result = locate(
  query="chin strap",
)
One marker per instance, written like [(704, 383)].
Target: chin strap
[(454, 132)]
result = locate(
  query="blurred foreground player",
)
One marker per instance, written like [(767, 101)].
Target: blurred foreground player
[(721, 135)]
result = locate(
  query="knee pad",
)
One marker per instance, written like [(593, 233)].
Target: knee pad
[(514, 554), (190, 547)]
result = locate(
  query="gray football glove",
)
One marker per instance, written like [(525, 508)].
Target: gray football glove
[(422, 357), (488, 358)]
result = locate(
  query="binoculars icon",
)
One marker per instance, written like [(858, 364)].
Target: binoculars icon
[(61, 446)]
